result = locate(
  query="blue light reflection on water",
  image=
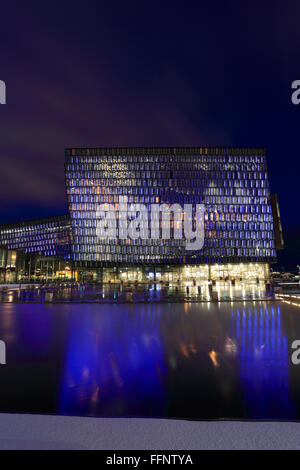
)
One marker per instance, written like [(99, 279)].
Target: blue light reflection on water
[(123, 369), (264, 364), (114, 363), (228, 360)]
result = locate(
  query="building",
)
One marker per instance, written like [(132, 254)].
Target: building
[(35, 250), (241, 220)]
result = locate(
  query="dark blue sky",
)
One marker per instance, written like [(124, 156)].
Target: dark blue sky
[(153, 73)]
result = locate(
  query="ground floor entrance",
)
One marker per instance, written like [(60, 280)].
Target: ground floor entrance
[(177, 274), (18, 266)]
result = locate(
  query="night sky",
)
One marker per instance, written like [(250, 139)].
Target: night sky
[(126, 73)]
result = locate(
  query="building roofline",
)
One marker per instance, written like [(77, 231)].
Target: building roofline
[(165, 151), (35, 221)]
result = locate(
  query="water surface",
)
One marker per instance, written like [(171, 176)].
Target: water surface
[(199, 360)]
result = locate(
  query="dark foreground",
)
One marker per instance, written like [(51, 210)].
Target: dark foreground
[(198, 361)]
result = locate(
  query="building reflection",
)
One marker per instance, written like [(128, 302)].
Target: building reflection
[(193, 360), (187, 362), (114, 363), (263, 359), (228, 362)]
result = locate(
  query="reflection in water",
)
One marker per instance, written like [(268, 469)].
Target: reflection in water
[(205, 360), (213, 355), (114, 364), (264, 362)]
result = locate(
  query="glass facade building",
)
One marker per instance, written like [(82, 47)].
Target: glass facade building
[(231, 183), (34, 249), (48, 237)]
